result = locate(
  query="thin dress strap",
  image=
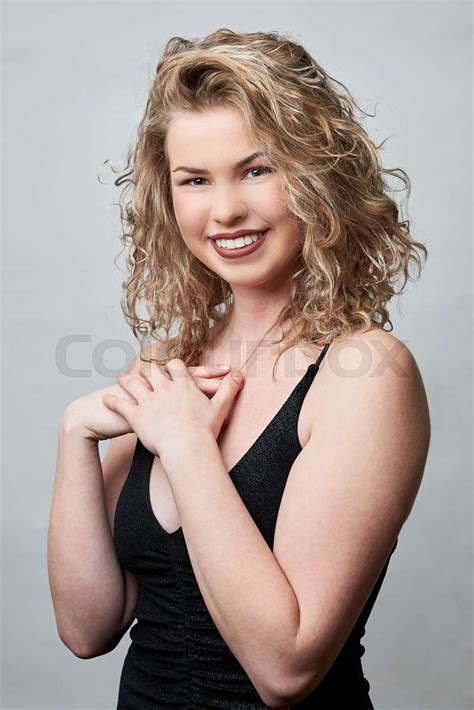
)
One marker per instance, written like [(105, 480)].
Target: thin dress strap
[(322, 354)]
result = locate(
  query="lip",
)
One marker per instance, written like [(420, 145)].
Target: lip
[(238, 253)]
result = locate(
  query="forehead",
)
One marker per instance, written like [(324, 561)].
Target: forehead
[(194, 136)]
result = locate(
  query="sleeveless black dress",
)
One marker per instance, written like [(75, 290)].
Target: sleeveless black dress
[(177, 658)]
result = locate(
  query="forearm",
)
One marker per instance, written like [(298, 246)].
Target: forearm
[(244, 588), (85, 577)]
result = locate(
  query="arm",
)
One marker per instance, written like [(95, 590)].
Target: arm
[(286, 613), (244, 588), (349, 493), (85, 577), (93, 597)]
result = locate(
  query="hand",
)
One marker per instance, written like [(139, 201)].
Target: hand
[(93, 420), (173, 408)]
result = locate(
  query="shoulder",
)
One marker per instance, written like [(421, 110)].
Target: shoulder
[(374, 356), (371, 380), (369, 354)]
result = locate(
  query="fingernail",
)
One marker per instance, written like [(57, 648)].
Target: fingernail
[(237, 375), (222, 367)]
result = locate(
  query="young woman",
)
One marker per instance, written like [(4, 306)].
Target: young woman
[(246, 524)]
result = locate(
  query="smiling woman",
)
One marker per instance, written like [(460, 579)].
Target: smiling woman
[(248, 534)]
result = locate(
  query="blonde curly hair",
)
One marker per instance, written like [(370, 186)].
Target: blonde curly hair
[(355, 245)]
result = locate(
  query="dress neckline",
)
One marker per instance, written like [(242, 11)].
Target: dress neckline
[(313, 366), (272, 420)]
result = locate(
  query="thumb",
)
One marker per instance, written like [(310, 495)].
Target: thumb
[(119, 405), (236, 378), (230, 386)]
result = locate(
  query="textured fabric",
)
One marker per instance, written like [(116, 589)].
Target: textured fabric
[(177, 658)]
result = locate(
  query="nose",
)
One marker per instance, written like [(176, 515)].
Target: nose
[(227, 205)]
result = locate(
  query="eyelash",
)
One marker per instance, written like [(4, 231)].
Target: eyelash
[(257, 167)]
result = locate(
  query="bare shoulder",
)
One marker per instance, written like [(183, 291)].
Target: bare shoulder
[(372, 361), (370, 354), (373, 377)]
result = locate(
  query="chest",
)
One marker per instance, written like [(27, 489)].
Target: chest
[(254, 410)]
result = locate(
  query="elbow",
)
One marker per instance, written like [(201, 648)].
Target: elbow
[(86, 652), (291, 687), (284, 691), (288, 681), (288, 694), (76, 650), (276, 691)]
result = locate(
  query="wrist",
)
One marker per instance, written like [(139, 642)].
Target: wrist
[(190, 445), (71, 427)]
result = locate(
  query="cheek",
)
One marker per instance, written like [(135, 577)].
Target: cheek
[(188, 212), (178, 207), (271, 203)]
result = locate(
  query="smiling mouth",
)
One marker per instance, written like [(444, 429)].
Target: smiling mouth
[(240, 242), (238, 252)]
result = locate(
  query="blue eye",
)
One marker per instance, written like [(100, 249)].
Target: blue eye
[(258, 167)]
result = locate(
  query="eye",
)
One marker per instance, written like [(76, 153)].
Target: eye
[(258, 167), (188, 182)]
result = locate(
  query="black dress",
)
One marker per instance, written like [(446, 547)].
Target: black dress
[(177, 658)]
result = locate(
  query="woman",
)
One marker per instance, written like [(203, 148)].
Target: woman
[(247, 524)]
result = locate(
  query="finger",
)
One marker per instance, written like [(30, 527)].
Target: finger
[(144, 373), (208, 370), (153, 373), (133, 385), (121, 406), (230, 386), (179, 372), (118, 391)]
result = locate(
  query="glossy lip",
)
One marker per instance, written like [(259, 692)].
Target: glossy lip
[(237, 253)]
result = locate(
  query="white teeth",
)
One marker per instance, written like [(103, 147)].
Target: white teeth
[(239, 242)]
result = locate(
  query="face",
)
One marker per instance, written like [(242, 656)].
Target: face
[(215, 192)]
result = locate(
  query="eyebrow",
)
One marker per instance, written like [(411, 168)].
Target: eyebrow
[(203, 171)]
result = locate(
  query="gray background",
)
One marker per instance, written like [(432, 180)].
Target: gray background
[(75, 78)]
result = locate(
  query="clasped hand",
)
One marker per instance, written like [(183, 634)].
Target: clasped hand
[(167, 410)]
